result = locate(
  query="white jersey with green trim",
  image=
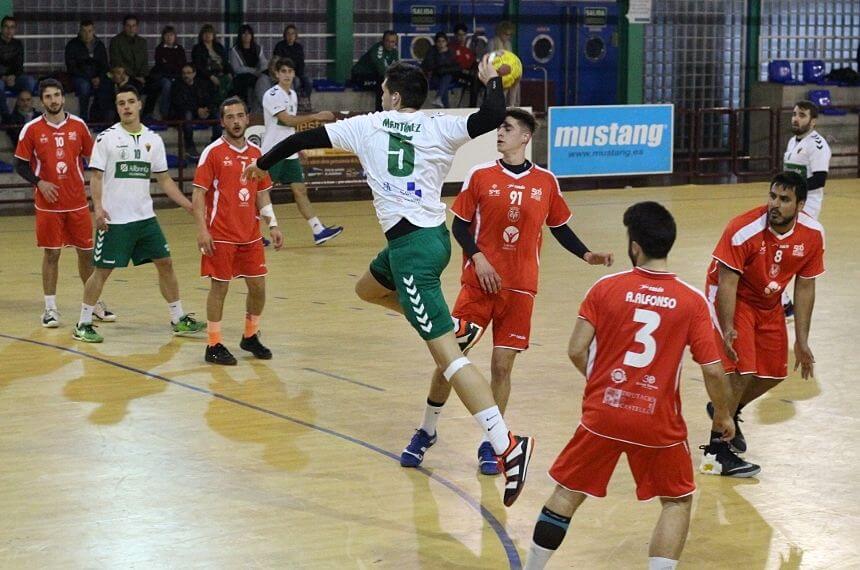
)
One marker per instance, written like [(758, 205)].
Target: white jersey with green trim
[(275, 101), (406, 157), (808, 155), (128, 161)]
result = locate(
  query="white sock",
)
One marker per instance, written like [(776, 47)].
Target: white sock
[(176, 312), (316, 225), (493, 426), (50, 302), (86, 314), (785, 298), (537, 557), (431, 418), (658, 563)]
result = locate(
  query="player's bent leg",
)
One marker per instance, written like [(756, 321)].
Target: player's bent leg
[(321, 232), (501, 364), (670, 533), (303, 203), (254, 304), (371, 290), (551, 526), (757, 388)]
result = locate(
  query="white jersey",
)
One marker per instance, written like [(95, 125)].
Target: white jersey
[(406, 157), (275, 101), (808, 155), (128, 162)]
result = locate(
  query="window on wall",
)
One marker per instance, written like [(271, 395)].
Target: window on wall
[(694, 53), (796, 30)]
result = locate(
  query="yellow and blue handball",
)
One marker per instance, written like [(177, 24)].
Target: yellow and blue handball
[(508, 66)]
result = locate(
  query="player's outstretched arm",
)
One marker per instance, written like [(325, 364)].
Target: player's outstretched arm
[(166, 183), (720, 392), (727, 294), (580, 340), (296, 120), (568, 239), (313, 138), (804, 301), (492, 111)]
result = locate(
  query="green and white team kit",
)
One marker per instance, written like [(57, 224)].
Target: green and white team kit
[(128, 161), (807, 156), (276, 101), (406, 157)]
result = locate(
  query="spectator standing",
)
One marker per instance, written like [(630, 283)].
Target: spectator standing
[(248, 63), (503, 40), (440, 65), (193, 98), (369, 70), (12, 60), (466, 60), (22, 114), (87, 64), (289, 47), (210, 61), (169, 59)]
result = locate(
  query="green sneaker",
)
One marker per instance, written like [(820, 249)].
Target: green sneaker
[(86, 332), (187, 326)]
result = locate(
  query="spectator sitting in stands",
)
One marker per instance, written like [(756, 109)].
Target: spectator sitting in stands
[(440, 65), (128, 50), (12, 61), (248, 63), (465, 58), (104, 107), (290, 48), (87, 64), (193, 98), (169, 59), (266, 80), (503, 41), (22, 114), (210, 62), (369, 70)]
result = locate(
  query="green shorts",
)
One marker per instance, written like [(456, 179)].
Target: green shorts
[(288, 171), (412, 265), (140, 242)]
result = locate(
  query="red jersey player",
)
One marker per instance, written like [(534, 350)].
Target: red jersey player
[(228, 229), (499, 219), (758, 255), (48, 156), (629, 341)]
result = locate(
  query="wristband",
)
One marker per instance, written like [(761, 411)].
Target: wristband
[(269, 212)]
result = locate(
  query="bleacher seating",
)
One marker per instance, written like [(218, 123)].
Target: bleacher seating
[(779, 71), (821, 97), (813, 72)]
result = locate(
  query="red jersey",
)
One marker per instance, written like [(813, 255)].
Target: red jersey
[(768, 261), (643, 320), (54, 153), (231, 199), (508, 212), (463, 55)]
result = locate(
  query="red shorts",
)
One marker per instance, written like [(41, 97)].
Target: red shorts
[(230, 261), (61, 229), (762, 342), (587, 462), (510, 311)]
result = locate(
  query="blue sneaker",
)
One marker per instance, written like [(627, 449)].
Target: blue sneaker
[(266, 243), (326, 234), (788, 309), (413, 455), (487, 459)]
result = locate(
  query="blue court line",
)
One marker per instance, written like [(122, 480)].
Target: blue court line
[(508, 544)]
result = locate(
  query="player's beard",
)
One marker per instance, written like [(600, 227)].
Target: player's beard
[(800, 131), (783, 221), (55, 109)]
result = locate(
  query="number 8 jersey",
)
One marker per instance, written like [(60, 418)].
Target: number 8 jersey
[(406, 157), (643, 322)]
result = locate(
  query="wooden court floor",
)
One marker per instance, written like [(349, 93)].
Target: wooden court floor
[(136, 454)]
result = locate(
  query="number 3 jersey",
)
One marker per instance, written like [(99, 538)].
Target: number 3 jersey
[(643, 322), (507, 212), (406, 157), (767, 261)]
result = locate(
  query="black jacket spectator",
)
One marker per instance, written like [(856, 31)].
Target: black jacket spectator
[(169, 60), (208, 66), (81, 62), (295, 52), (185, 98), (11, 57)]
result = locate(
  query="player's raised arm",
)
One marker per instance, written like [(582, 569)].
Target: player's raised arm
[(312, 138), (492, 111)]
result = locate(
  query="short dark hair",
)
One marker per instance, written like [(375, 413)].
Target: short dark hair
[(525, 118), (387, 33), (285, 62), (290, 27), (189, 64), (440, 35), (6, 19), (168, 29), (127, 88), (234, 100), (87, 22), (50, 82), (409, 81), (808, 106), (793, 181), (460, 26), (651, 226)]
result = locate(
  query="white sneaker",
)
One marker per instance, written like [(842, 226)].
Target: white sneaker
[(101, 313), (51, 318), (437, 102)]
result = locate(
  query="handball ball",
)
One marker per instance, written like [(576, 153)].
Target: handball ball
[(508, 66)]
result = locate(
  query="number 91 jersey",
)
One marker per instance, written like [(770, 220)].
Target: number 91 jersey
[(643, 322), (406, 157)]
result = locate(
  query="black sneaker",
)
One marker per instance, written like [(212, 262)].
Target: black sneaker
[(467, 333), (219, 354), (738, 443), (514, 463), (788, 310), (253, 345), (719, 459)]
